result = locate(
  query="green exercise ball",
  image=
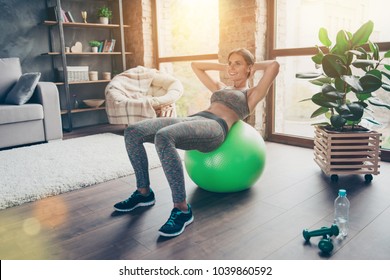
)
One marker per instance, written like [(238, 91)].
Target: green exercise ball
[(234, 166)]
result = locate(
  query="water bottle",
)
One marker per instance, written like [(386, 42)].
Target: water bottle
[(341, 212)]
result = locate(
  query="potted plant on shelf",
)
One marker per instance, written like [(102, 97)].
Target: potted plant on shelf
[(94, 45), (104, 14), (351, 71)]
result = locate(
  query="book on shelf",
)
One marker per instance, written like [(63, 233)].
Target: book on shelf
[(64, 17), (112, 45), (69, 16), (100, 49), (52, 13)]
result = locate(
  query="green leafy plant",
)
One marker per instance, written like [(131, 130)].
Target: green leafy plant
[(94, 43), (341, 64), (104, 12)]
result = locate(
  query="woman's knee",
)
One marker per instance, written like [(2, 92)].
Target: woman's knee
[(163, 139), (133, 131), (129, 130)]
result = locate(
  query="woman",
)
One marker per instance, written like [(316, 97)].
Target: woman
[(204, 131)]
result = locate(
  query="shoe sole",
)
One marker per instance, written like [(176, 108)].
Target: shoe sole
[(177, 233), (142, 204)]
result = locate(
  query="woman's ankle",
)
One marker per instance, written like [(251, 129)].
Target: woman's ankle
[(182, 206), (144, 191)]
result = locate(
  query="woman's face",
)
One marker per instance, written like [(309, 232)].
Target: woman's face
[(237, 69)]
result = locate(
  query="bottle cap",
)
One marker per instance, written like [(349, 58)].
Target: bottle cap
[(342, 192)]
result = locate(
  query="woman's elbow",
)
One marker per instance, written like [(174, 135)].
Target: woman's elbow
[(194, 65), (275, 66)]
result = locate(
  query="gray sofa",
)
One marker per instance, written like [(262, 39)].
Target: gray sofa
[(32, 120)]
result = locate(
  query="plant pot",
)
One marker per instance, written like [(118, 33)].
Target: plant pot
[(349, 152), (103, 20), (94, 49)]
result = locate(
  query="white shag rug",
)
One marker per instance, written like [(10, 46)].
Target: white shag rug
[(39, 171)]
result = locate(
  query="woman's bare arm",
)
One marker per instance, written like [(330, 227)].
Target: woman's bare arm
[(200, 69), (259, 91)]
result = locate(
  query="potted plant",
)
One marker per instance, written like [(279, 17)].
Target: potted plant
[(104, 14), (351, 71), (94, 45)]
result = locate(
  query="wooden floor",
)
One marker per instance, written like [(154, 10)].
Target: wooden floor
[(264, 222)]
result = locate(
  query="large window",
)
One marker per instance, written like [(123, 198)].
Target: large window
[(295, 25), (188, 30), (187, 27), (298, 21)]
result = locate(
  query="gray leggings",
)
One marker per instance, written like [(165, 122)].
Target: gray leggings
[(198, 132)]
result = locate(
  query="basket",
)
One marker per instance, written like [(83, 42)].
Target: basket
[(75, 73)]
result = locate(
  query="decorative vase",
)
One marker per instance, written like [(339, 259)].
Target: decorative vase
[(352, 152), (94, 49), (103, 20), (106, 75), (84, 16), (93, 75)]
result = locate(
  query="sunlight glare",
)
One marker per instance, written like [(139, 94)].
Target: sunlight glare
[(31, 226), (51, 212)]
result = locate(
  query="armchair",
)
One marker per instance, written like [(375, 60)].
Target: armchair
[(141, 93)]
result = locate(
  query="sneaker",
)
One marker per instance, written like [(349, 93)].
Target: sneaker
[(134, 201), (177, 222)]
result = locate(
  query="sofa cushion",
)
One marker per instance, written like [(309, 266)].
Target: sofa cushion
[(10, 71), (20, 113), (23, 89)]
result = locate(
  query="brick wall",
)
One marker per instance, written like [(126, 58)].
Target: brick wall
[(243, 24), (236, 26), (139, 37)]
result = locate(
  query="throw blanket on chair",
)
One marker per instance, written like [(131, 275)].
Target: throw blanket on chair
[(126, 96)]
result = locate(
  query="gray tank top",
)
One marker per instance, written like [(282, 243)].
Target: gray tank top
[(233, 99)]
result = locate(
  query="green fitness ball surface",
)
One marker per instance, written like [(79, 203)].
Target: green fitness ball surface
[(235, 166)]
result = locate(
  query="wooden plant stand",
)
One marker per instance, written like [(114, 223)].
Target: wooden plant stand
[(339, 153)]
